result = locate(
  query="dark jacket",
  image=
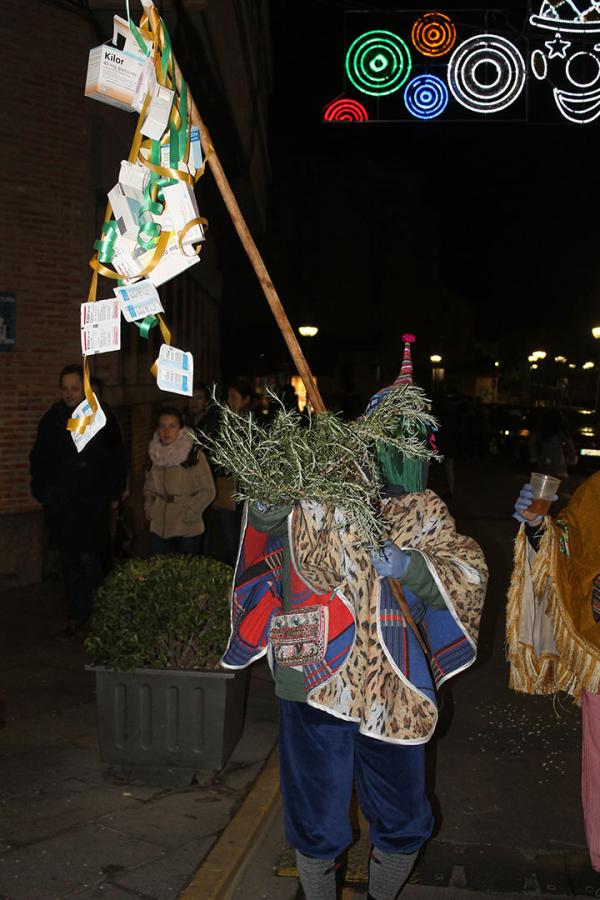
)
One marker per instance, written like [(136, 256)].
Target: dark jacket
[(76, 489)]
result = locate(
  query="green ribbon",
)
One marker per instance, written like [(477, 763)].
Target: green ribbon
[(136, 32), (166, 54), (106, 245), (183, 111), (146, 325), (149, 230)]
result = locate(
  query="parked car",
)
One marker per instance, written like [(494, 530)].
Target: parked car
[(511, 429), (584, 425)]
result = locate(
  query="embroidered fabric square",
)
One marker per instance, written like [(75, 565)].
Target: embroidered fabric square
[(300, 637)]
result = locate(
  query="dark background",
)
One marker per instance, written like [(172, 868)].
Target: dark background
[(482, 231)]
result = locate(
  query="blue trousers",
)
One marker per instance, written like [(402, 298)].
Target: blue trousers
[(321, 756)]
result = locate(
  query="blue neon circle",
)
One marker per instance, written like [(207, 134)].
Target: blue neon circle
[(426, 96)]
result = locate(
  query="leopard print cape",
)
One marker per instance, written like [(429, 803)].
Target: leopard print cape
[(368, 688)]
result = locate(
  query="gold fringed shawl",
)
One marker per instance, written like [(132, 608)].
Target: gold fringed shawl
[(553, 641)]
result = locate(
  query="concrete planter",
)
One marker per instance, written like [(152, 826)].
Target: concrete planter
[(169, 725)]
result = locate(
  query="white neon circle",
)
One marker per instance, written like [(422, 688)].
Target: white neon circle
[(539, 66), (487, 84), (501, 55), (574, 80)]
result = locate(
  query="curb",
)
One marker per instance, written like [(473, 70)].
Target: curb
[(222, 869)]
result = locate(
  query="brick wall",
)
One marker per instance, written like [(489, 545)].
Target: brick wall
[(46, 236), (61, 153)]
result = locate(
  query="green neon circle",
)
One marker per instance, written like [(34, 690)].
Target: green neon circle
[(378, 62)]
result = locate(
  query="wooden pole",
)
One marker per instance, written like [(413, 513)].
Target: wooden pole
[(253, 254)]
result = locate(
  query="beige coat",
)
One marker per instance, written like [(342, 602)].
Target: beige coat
[(176, 496)]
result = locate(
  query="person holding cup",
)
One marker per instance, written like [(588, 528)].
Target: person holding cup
[(553, 616), (536, 497)]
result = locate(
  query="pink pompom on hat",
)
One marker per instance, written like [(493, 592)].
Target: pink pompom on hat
[(405, 375), (406, 372)]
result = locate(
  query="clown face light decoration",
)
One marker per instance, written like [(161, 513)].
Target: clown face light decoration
[(571, 56)]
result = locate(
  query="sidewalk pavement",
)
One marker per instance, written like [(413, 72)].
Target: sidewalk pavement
[(503, 774), (68, 829)]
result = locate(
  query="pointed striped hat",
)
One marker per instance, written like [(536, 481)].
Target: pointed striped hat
[(405, 375)]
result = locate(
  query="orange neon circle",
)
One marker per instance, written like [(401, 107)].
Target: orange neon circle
[(434, 34)]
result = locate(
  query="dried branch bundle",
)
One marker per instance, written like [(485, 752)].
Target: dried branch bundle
[(321, 458)]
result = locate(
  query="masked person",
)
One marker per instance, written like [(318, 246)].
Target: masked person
[(553, 622), (358, 642)]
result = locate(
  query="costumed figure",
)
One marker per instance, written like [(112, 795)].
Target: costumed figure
[(553, 622), (353, 581)]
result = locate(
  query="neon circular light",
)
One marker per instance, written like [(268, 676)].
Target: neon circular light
[(345, 110), (378, 62), (539, 66), (426, 96), (471, 59), (434, 34), (578, 58)]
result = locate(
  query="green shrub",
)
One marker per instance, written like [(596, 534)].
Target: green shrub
[(167, 612)]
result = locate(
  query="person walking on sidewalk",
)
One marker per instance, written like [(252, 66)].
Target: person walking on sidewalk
[(76, 491), (553, 622), (177, 489), (358, 643)]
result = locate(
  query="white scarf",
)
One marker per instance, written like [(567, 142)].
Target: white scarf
[(170, 454)]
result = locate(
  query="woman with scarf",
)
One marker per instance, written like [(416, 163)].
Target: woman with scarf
[(553, 622), (178, 487)]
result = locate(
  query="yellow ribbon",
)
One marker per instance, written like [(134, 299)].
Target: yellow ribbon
[(188, 225), (152, 29)]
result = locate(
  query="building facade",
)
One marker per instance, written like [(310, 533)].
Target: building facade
[(61, 154)]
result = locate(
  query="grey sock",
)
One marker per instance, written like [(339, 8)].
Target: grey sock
[(317, 877), (388, 872)]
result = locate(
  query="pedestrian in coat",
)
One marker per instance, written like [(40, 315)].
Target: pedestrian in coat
[(178, 487), (76, 491)]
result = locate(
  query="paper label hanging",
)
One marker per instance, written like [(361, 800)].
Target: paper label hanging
[(100, 327), (175, 371), (159, 110), (84, 409), (138, 300)]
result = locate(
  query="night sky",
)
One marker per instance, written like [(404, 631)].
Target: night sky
[(472, 231)]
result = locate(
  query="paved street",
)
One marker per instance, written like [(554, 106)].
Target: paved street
[(504, 769)]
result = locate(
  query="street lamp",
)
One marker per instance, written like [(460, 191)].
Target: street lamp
[(539, 354), (588, 365), (437, 372), (308, 330), (560, 359), (596, 336)]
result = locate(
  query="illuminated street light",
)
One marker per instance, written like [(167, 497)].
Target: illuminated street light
[(539, 354), (534, 366), (497, 364), (588, 365), (596, 335), (308, 330), (560, 359), (572, 366), (531, 358), (436, 358)]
